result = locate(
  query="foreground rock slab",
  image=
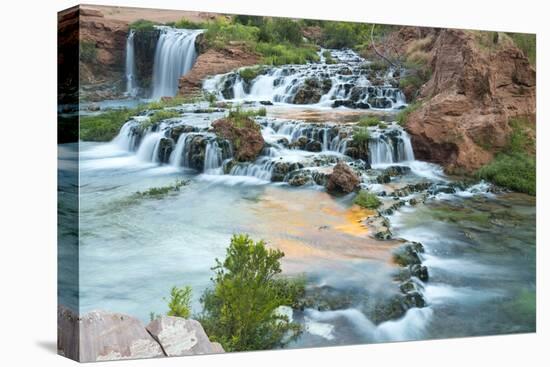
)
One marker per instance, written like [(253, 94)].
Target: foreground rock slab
[(180, 337), (102, 336)]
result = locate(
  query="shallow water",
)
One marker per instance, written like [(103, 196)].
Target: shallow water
[(480, 247)]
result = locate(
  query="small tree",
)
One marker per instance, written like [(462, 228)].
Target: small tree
[(240, 310), (180, 302)]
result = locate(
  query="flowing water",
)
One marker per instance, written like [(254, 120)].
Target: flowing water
[(131, 82), (348, 83), (479, 243), (175, 55)]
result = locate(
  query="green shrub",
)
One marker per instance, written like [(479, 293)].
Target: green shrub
[(105, 126), (367, 200), (250, 20), (527, 42), (328, 57), (187, 24), (240, 309), (382, 125), (179, 304), (281, 54), (248, 74), (402, 116), (221, 32), (281, 30), (379, 65), (361, 136), (163, 115), (412, 80), (88, 51), (515, 166), (241, 117), (520, 141), (344, 34), (368, 121), (142, 25), (515, 171)]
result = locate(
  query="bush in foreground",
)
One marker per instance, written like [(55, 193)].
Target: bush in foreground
[(240, 311), (179, 303)]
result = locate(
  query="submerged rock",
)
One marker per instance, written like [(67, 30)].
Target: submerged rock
[(166, 145)]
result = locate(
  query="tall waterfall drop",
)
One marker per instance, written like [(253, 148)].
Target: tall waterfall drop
[(175, 55), (131, 83)]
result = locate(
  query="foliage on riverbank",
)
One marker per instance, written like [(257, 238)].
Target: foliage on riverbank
[(402, 116), (281, 40), (106, 125), (515, 166), (142, 25), (240, 310)]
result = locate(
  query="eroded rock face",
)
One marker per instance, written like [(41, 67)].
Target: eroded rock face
[(180, 337), (246, 139), (101, 336), (466, 105), (342, 179)]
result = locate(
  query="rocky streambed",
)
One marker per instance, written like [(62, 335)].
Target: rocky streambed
[(438, 257), (420, 266)]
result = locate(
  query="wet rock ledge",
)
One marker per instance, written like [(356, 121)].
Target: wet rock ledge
[(101, 335)]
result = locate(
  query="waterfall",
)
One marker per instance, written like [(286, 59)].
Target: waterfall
[(148, 149), (262, 168), (213, 158), (175, 55), (348, 83), (180, 155), (131, 82), (390, 147), (126, 138)]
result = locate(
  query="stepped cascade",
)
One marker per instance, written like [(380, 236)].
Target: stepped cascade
[(289, 146), (350, 82)]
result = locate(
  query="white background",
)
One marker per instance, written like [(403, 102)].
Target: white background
[(28, 181)]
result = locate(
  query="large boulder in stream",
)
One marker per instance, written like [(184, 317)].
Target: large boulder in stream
[(245, 137), (342, 179)]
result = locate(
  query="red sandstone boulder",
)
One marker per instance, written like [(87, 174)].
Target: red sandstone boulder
[(246, 138), (342, 179)]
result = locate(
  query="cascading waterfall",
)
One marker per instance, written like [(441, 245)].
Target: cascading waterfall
[(175, 55), (131, 82), (213, 158), (349, 83), (287, 142), (148, 149), (390, 147)]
